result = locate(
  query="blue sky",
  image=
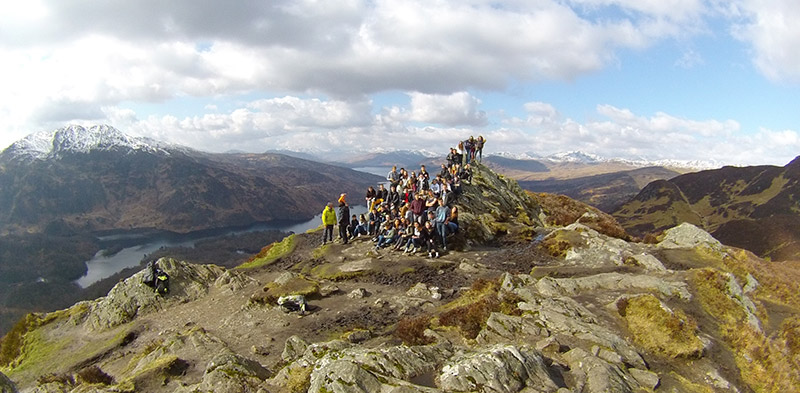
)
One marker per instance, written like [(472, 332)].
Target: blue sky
[(689, 80)]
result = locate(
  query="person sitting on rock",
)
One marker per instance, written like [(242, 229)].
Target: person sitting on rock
[(417, 239), (430, 241), (370, 197), (394, 198), (466, 174), (404, 235), (351, 228), (387, 237)]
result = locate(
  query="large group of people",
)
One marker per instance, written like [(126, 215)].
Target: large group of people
[(411, 211)]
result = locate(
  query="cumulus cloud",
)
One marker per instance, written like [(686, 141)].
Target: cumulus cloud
[(772, 30)]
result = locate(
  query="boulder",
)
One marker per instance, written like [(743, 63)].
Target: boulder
[(6, 385), (293, 349), (422, 291), (688, 236), (501, 368), (595, 375)]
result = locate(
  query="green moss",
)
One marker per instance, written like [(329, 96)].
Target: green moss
[(331, 271), (271, 254), (320, 251)]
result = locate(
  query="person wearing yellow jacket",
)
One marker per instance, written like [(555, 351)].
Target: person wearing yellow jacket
[(328, 220)]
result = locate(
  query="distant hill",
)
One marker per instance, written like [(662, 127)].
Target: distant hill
[(411, 160), (58, 188), (101, 179), (509, 166), (604, 191), (757, 207)]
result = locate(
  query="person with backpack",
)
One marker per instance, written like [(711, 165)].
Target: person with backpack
[(479, 147), (328, 220)]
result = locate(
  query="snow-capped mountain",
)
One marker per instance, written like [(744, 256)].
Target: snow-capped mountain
[(579, 157), (78, 139)]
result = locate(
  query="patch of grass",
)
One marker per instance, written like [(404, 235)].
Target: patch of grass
[(660, 330), (471, 310), (299, 378), (271, 253), (320, 251), (93, 375), (11, 344), (556, 246), (412, 330), (711, 287), (766, 364)]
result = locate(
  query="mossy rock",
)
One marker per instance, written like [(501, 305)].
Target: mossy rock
[(271, 253), (296, 285)]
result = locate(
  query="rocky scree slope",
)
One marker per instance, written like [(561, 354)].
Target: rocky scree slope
[(571, 311)]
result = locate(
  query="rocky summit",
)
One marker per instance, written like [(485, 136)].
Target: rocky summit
[(517, 304)]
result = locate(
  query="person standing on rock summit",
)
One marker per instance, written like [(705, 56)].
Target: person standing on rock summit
[(328, 220), (344, 218)]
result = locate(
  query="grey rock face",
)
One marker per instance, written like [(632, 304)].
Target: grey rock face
[(612, 282)]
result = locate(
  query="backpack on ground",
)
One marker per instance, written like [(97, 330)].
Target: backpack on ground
[(293, 303)]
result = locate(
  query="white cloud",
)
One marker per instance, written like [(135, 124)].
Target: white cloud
[(771, 28), (452, 110)]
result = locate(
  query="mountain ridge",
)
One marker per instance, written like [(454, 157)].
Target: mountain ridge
[(761, 202)]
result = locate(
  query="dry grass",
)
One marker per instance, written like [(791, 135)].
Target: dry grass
[(562, 211), (471, 310), (93, 375), (412, 330), (767, 364), (660, 330)]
